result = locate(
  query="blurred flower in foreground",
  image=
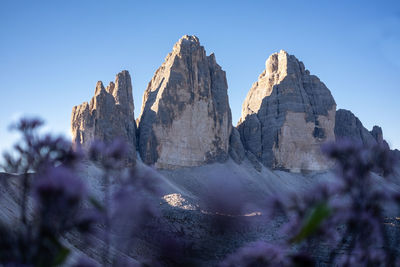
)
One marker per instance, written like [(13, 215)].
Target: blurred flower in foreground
[(45, 167), (59, 194), (258, 254), (110, 155), (347, 214)]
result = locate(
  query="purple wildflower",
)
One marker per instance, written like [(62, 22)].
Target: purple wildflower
[(58, 195), (110, 155), (27, 124)]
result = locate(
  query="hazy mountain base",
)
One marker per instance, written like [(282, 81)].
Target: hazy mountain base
[(185, 214)]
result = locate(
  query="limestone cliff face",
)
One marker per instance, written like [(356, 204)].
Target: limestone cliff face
[(109, 115), (287, 115), (185, 118), (350, 127)]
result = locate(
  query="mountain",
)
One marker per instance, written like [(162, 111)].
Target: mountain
[(287, 115), (185, 131), (185, 119), (109, 115)]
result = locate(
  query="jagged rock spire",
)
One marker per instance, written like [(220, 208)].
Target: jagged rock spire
[(122, 92), (185, 118), (109, 115)]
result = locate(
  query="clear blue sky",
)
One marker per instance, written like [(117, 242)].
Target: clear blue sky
[(53, 52)]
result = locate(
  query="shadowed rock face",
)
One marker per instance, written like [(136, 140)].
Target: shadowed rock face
[(287, 115), (236, 149), (185, 118), (109, 115), (350, 127), (377, 134)]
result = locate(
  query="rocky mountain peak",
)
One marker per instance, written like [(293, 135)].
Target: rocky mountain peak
[(279, 67), (276, 63), (110, 88), (281, 64), (108, 116), (287, 115), (99, 88), (377, 133), (122, 92), (187, 41), (185, 118)]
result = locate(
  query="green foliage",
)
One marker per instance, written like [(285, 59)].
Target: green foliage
[(311, 223)]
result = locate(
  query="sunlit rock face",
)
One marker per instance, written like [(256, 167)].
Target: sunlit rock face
[(185, 118), (287, 115), (109, 115)]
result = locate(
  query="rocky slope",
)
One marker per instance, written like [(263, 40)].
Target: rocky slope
[(287, 115), (109, 115), (185, 118), (184, 193)]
